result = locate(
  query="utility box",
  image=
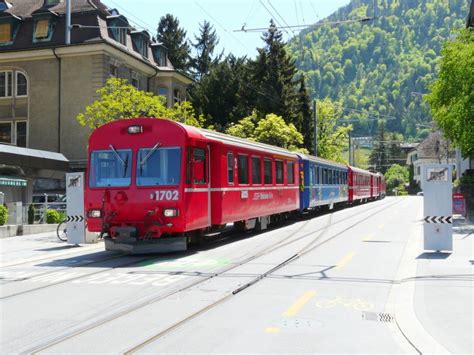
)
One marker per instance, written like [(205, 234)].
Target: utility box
[(436, 181), (15, 213), (76, 222)]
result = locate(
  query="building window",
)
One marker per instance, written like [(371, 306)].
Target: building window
[(51, 2), (6, 132), (163, 92), (20, 133), (230, 168), (291, 172), (267, 171), (6, 78), (256, 170), (21, 85), (135, 83), (5, 32), (243, 169), (42, 29), (113, 71), (176, 96)]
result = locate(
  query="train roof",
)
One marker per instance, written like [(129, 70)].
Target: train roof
[(361, 171), (202, 134), (245, 143), (321, 160)]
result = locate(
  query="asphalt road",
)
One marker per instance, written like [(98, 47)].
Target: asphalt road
[(323, 284)]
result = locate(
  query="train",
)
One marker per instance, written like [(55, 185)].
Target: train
[(155, 185)]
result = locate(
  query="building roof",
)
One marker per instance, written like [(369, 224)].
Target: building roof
[(434, 146), (91, 20), (25, 8)]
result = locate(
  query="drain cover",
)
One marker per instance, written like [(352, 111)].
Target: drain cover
[(378, 316)]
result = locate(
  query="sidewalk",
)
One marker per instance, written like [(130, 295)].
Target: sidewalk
[(444, 292)]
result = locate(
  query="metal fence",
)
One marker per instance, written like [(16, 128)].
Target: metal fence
[(40, 210)]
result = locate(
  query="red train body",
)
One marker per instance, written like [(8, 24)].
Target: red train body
[(150, 179)]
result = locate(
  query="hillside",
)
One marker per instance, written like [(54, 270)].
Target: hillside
[(375, 66)]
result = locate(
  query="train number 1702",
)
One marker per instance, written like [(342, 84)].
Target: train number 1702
[(167, 195)]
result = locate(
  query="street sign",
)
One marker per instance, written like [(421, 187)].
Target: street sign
[(459, 204), (437, 206)]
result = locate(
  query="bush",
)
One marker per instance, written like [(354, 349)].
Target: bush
[(31, 214), (3, 215), (54, 217)]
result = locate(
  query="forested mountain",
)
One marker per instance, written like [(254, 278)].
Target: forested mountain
[(375, 66)]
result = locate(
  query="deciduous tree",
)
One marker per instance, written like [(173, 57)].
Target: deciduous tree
[(452, 95)]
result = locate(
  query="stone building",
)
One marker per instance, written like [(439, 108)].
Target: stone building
[(45, 83)]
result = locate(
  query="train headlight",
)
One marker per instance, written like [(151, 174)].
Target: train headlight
[(171, 212), (94, 213), (135, 129)]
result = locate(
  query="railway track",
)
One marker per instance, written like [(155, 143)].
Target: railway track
[(292, 238)]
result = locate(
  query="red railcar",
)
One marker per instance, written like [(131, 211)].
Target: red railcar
[(153, 182), (360, 186)]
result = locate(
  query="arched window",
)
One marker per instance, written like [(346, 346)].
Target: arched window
[(21, 88)]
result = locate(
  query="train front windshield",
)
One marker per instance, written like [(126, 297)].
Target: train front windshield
[(159, 166), (110, 168)]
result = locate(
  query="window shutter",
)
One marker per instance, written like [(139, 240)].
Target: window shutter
[(5, 32), (42, 29)]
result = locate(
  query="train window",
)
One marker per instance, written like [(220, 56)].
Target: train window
[(318, 175), (256, 170), (243, 169), (199, 155), (267, 171), (291, 172), (110, 168), (230, 168), (279, 171), (312, 175), (158, 166)]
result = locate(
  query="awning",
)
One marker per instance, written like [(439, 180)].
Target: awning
[(9, 181)]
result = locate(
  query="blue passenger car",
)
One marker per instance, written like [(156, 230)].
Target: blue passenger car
[(322, 182)]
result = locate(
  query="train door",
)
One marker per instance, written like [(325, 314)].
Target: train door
[(198, 192)]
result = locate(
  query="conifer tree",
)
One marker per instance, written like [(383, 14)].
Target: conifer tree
[(378, 156), (205, 44), (273, 72), (304, 123), (174, 39)]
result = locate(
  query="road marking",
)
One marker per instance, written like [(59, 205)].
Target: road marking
[(368, 238), (381, 226), (272, 330), (344, 260), (357, 304), (295, 308)]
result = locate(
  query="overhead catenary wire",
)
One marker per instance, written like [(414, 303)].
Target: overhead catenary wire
[(221, 26)]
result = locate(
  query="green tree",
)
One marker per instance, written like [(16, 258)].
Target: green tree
[(119, 100), (452, 95), (174, 39), (223, 95), (333, 139), (304, 123), (396, 176), (205, 44), (273, 78), (271, 129), (378, 157)]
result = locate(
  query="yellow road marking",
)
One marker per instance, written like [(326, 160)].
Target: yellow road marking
[(295, 308), (344, 260), (381, 226), (368, 238), (272, 330)]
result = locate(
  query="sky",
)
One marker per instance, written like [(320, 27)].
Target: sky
[(227, 16)]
